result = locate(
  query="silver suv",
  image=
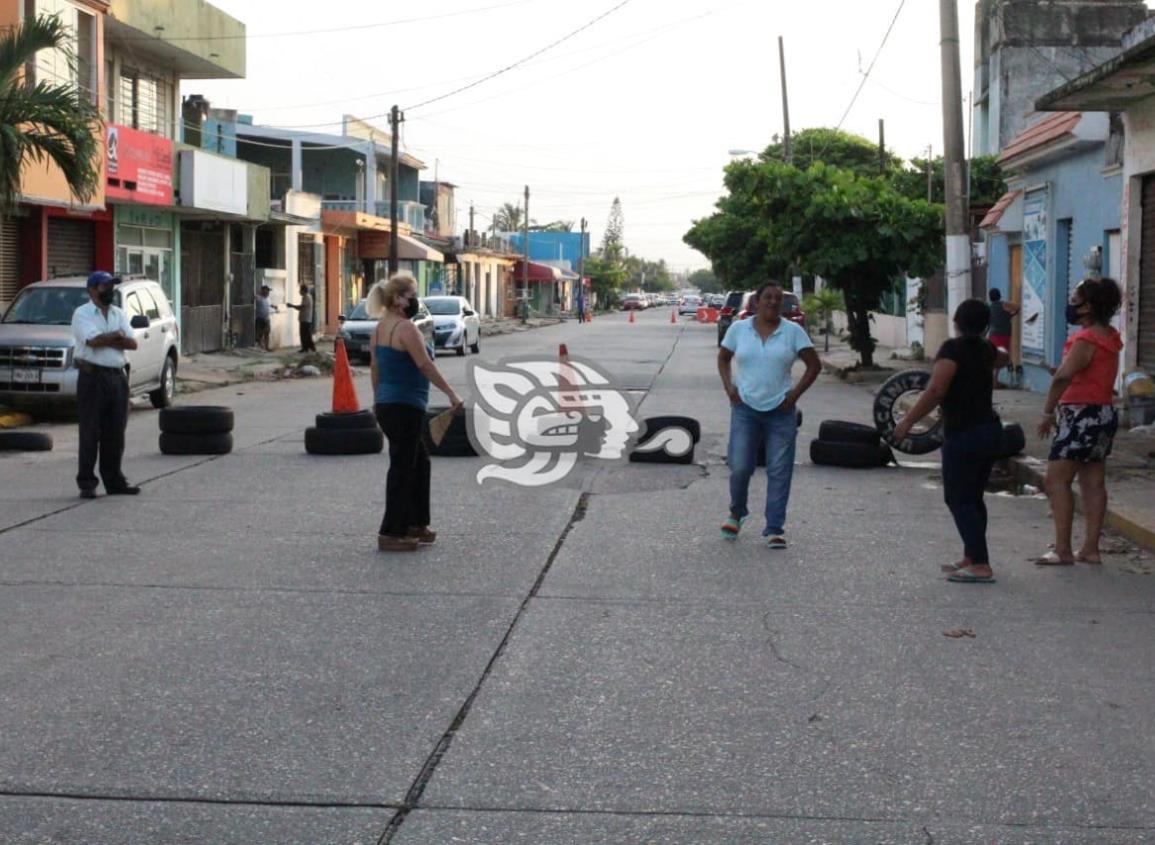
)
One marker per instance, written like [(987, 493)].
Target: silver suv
[(36, 361)]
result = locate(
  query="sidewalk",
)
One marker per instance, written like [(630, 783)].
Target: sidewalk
[(1130, 469)]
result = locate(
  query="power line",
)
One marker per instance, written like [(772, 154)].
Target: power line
[(522, 61), (866, 75), (328, 31)]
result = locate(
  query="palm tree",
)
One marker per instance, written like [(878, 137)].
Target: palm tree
[(823, 305), (508, 217), (44, 122)]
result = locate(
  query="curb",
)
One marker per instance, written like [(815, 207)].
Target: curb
[(1033, 471)]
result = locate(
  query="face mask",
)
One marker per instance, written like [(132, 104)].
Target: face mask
[(105, 297), (412, 308), (1073, 315)]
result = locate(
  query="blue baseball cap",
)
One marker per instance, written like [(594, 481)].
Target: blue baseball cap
[(101, 277)]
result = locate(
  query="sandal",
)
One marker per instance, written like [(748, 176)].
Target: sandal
[(777, 541), (1052, 559), (964, 575), (1093, 561), (422, 534), (389, 543), (952, 567), (731, 527)]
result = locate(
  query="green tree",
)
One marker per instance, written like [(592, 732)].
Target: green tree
[(836, 148), (606, 278), (706, 281), (509, 217), (822, 305), (44, 122), (736, 241), (986, 180), (613, 241), (555, 226)]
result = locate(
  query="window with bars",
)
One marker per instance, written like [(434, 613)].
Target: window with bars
[(144, 102), (74, 62)]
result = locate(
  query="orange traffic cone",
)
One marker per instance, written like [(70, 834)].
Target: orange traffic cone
[(344, 395), (631, 316), (673, 315)]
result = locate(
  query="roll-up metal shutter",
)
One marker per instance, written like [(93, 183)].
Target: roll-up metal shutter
[(1146, 333), (71, 247), (9, 259)]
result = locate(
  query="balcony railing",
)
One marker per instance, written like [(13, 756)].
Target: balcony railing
[(412, 213)]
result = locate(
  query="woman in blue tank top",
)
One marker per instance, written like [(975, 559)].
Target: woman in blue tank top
[(402, 368)]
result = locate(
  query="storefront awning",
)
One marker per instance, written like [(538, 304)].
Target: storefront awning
[(411, 249), (537, 272), (373, 245)]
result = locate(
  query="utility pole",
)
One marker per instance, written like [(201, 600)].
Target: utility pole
[(582, 271), (470, 239), (395, 120), (787, 152), (525, 261), (958, 248), (881, 147)]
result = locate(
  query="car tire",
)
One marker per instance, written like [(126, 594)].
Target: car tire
[(837, 431), (455, 443), (899, 384), (1014, 441), (344, 422), (196, 419), (475, 347), (172, 443), (162, 397), (848, 455), (344, 441), (25, 441)]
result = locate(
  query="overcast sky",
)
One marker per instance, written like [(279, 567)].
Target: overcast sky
[(644, 104)]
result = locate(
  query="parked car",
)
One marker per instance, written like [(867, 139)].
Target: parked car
[(37, 364), (689, 305), (455, 323), (732, 305), (633, 302), (791, 309), (357, 330)]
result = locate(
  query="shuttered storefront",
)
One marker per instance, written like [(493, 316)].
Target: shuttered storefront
[(9, 259), (1146, 333), (71, 247)]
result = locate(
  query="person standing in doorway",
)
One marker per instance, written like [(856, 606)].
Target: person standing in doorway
[(762, 400), (1002, 313), (263, 318), (305, 319), (102, 333)]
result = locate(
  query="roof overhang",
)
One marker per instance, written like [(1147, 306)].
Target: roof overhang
[(352, 222), (194, 38), (1057, 135), (324, 140), (1115, 85), (1006, 215)]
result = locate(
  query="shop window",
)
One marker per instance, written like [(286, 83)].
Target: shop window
[(145, 101), (74, 62), (161, 238)]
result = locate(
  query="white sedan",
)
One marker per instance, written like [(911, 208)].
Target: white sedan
[(455, 323), (689, 305)]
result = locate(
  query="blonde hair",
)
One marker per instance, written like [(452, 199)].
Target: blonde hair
[(383, 295)]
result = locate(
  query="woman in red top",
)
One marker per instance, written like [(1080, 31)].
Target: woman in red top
[(1080, 402)]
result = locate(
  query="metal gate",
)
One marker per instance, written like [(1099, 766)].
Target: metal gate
[(71, 247), (202, 284), (1146, 313), (9, 259)]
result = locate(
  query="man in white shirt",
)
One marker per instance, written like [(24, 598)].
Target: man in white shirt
[(305, 319), (102, 333)]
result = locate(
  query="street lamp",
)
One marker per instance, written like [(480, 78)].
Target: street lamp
[(737, 153)]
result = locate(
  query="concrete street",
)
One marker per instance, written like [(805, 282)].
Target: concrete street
[(228, 659)]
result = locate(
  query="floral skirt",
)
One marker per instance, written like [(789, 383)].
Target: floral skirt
[(1086, 433)]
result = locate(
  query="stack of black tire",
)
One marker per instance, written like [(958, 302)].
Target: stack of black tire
[(345, 434), (196, 430), (848, 444), (455, 443)]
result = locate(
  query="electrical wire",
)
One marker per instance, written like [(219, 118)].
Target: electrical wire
[(337, 29), (866, 75)]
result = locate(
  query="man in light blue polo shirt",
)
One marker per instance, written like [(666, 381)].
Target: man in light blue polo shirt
[(765, 347)]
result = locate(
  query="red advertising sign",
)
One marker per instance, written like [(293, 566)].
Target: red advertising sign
[(139, 167)]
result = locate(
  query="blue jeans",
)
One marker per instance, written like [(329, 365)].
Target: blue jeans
[(750, 429), (967, 459)]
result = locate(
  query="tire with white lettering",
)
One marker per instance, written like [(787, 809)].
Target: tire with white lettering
[(25, 441), (173, 443), (344, 441), (838, 431), (848, 455), (357, 419), (897, 394), (196, 419)]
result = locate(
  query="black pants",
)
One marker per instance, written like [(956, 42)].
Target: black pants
[(102, 406), (262, 333), (967, 458), (307, 337), (407, 484)]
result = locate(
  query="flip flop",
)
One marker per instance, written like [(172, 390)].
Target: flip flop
[(731, 527), (950, 567), (1092, 561), (776, 542), (966, 576), (1052, 559)]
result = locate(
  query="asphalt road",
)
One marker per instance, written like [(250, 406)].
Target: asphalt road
[(228, 659)]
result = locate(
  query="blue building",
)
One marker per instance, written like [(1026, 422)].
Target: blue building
[(560, 249), (1058, 223)]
